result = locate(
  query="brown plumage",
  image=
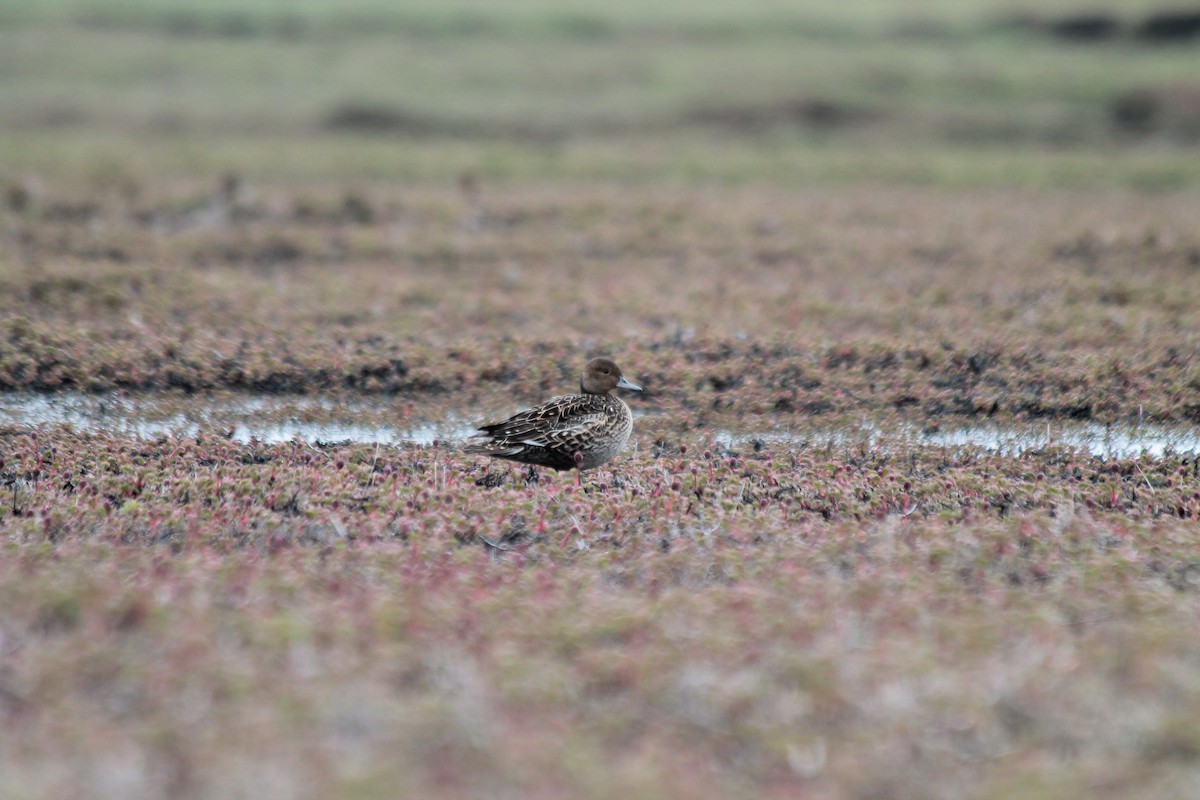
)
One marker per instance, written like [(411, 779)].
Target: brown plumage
[(581, 430)]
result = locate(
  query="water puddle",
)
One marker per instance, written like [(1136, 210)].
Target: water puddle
[(1107, 441), (273, 419), (268, 419)]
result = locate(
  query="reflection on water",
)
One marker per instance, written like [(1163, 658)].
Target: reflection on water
[(270, 418), (264, 418), (1107, 441)]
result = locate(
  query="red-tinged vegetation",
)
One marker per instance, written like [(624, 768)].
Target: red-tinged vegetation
[(826, 614), (322, 620), (831, 661), (925, 304)]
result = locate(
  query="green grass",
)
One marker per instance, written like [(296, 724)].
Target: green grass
[(533, 92), (524, 16), (98, 159)]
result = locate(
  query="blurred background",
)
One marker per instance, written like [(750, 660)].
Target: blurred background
[(944, 92)]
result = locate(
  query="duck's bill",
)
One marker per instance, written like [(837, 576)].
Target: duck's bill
[(624, 384)]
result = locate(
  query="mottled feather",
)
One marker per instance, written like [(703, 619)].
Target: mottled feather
[(593, 424)]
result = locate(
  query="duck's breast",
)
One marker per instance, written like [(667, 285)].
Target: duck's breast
[(604, 447)]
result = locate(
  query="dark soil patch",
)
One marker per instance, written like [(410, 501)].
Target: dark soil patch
[(1169, 27), (375, 119), (1102, 26), (1172, 111), (810, 112), (354, 117), (1084, 27)]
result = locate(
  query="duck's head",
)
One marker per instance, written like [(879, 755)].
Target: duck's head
[(601, 376)]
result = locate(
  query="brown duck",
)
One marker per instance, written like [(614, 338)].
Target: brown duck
[(572, 431)]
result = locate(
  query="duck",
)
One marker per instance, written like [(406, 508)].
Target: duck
[(572, 431)]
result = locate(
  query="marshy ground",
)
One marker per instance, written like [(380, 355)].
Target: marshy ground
[(819, 570)]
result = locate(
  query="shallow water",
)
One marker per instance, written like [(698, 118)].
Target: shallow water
[(1107, 441), (264, 418), (272, 419)]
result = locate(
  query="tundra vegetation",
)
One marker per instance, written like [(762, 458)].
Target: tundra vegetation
[(790, 223)]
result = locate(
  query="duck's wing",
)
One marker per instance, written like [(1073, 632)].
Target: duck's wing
[(559, 422)]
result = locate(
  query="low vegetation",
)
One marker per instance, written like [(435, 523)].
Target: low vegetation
[(791, 227), (200, 618)]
